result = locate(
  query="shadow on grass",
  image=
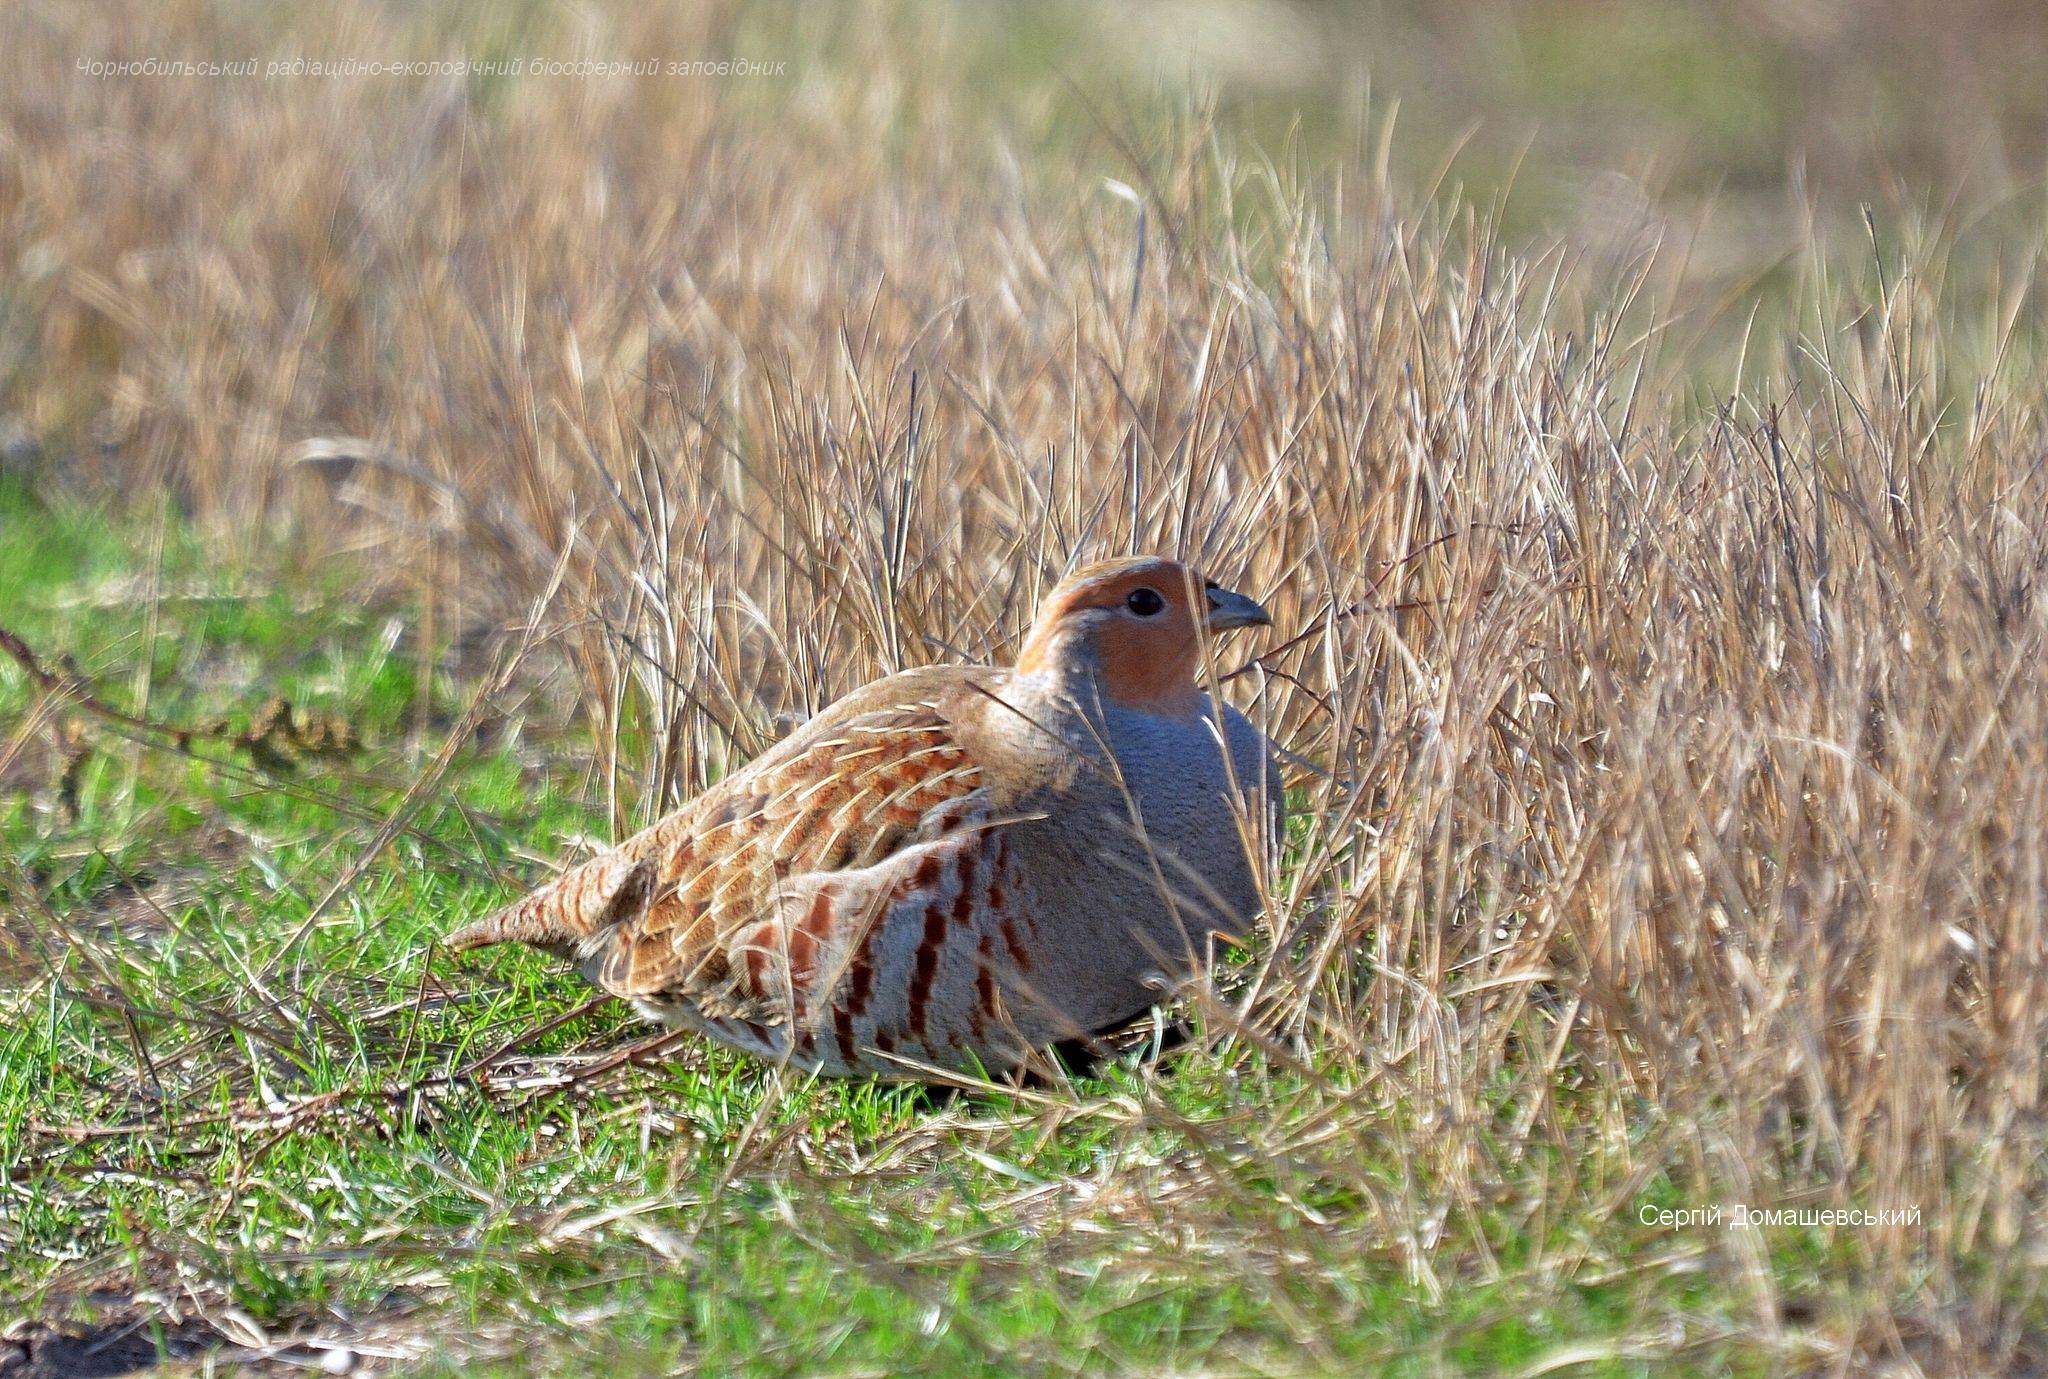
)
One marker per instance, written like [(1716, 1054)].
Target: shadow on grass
[(129, 1342)]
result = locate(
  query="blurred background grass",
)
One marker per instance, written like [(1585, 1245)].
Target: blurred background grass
[(1724, 143), (1595, 106), (1606, 115), (1714, 148)]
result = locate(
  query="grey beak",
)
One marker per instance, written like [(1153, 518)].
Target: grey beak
[(1228, 609)]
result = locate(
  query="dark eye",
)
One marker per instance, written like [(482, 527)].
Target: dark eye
[(1145, 602)]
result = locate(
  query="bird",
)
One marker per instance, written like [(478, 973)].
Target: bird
[(954, 866)]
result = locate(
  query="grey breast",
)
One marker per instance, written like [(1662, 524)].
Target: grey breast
[(1202, 878), (1135, 863)]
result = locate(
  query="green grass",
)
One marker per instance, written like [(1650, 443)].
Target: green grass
[(190, 1106)]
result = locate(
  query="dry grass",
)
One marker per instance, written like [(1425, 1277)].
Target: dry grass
[(1673, 767)]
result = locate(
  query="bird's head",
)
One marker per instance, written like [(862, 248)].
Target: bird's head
[(1134, 628)]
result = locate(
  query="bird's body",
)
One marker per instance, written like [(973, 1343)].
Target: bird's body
[(953, 865)]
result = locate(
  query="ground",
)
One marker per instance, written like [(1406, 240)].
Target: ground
[(243, 1091)]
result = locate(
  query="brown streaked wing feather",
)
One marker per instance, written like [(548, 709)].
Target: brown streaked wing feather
[(581, 905), (563, 915), (849, 791)]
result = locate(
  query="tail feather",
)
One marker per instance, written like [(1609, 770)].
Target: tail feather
[(576, 907)]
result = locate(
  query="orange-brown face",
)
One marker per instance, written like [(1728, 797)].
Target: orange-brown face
[(1137, 624)]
